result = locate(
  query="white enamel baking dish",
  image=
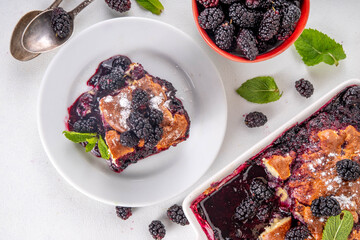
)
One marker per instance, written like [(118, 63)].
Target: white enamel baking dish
[(200, 235)]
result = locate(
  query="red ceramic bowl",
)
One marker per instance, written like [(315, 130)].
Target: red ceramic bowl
[(305, 9)]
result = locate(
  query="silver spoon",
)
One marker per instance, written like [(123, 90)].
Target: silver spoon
[(16, 48), (39, 37)]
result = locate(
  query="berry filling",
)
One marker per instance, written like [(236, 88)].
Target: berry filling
[(137, 114), (290, 189)]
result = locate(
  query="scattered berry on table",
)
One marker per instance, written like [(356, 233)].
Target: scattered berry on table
[(224, 35), (246, 210), (348, 170), (140, 98), (210, 18), (157, 230), (246, 43), (176, 214), (260, 190), (304, 87), (255, 119), (139, 125), (352, 96), (60, 22), (123, 212), (209, 3), (297, 233), (119, 5), (269, 25), (244, 17), (85, 126), (129, 139), (325, 206)]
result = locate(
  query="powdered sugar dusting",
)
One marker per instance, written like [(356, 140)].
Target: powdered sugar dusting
[(108, 99), (345, 202), (156, 101)]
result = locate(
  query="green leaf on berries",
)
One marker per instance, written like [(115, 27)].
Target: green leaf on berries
[(78, 137), (89, 147), (103, 148), (260, 90), (153, 6), (315, 47), (338, 227)]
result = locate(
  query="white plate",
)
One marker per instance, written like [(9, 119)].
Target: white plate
[(165, 52), (229, 169)]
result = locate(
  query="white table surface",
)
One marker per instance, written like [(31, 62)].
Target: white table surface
[(36, 203)]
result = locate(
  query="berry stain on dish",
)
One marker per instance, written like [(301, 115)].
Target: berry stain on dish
[(136, 114), (248, 28), (290, 189)]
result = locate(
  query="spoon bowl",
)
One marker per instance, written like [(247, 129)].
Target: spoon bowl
[(39, 37), (16, 48)]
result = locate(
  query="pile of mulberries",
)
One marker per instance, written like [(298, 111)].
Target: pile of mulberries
[(251, 27)]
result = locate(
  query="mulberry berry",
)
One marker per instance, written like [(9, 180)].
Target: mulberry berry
[(85, 126), (139, 125), (157, 230), (260, 190), (224, 35), (137, 72), (325, 206), (348, 170), (60, 22), (264, 212), (352, 96), (140, 98), (129, 139), (210, 18), (229, 1), (111, 81), (155, 117), (269, 25), (257, 3), (304, 87), (244, 17), (255, 119), (209, 3), (291, 16), (123, 212), (246, 210), (176, 214), (119, 5), (246, 43), (153, 138), (121, 62), (297, 233)]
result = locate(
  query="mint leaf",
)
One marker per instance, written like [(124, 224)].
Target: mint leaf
[(315, 47), (338, 227), (260, 90), (78, 137), (103, 148), (89, 147), (92, 140), (153, 6)]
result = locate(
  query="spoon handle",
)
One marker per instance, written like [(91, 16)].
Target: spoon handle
[(55, 4), (79, 8)]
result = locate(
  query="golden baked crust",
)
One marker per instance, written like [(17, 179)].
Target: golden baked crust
[(277, 229)]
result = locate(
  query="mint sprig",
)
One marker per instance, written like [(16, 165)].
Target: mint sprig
[(315, 47), (91, 139), (338, 227), (153, 6), (260, 90)]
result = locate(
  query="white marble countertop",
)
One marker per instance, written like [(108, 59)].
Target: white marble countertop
[(36, 203)]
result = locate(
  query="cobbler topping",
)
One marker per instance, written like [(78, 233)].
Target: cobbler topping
[(137, 114), (313, 170)]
